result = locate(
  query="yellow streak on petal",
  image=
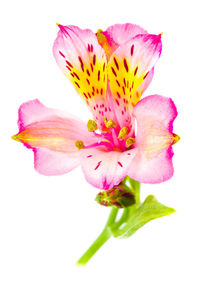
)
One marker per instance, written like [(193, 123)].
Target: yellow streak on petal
[(176, 138), (102, 39), (15, 138), (39, 137)]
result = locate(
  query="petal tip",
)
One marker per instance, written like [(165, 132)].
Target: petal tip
[(15, 138)]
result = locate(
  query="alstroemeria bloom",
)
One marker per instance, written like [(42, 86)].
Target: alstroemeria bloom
[(110, 70)]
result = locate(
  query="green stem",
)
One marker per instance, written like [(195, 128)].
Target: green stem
[(100, 241), (123, 219)]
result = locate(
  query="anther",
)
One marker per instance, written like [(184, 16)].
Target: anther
[(110, 123), (91, 125), (130, 141), (123, 133), (79, 145)]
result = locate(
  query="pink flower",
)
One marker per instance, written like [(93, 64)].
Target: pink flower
[(110, 70)]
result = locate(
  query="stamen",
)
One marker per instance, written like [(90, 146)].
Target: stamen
[(79, 145), (102, 143), (123, 133), (130, 141), (91, 125), (110, 123), (176, 138), (115, 139)]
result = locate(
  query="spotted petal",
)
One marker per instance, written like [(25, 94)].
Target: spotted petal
[(154, 139), (105, 169), (83, 61), (51, 134), (128, 67)]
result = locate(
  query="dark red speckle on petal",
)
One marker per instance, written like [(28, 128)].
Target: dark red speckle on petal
[(132, 49), (69, 64), (145, 75), (118, 83), (120, 164), (113, 70), (116, 63), (61, 54), (91, 67), (81, 63), (125, 65), (135, 72), (97, 166), (85, 95), (77, 84), (117, 102), (76, 76), (124, 82), (94, 59)]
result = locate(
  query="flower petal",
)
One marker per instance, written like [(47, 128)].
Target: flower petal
[(83, 61), (128, 67), (48, 162), (142, 87), (105, 169), (119, 34), (153, 161), (54, 132)]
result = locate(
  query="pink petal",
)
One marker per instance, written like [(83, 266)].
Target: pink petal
[(83, 61), (105, 169), (153, 161), (154, 170), (128, 68), (121, 33), (52, 135), (49, 162)]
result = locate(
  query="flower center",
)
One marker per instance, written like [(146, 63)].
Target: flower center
[(112, 138)]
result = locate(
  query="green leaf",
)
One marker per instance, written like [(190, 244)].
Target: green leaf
[(149, 210)]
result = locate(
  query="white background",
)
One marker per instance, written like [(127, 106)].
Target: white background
[(46, 223)]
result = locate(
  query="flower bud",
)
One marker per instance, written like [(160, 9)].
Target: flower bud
[(119, 196)]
